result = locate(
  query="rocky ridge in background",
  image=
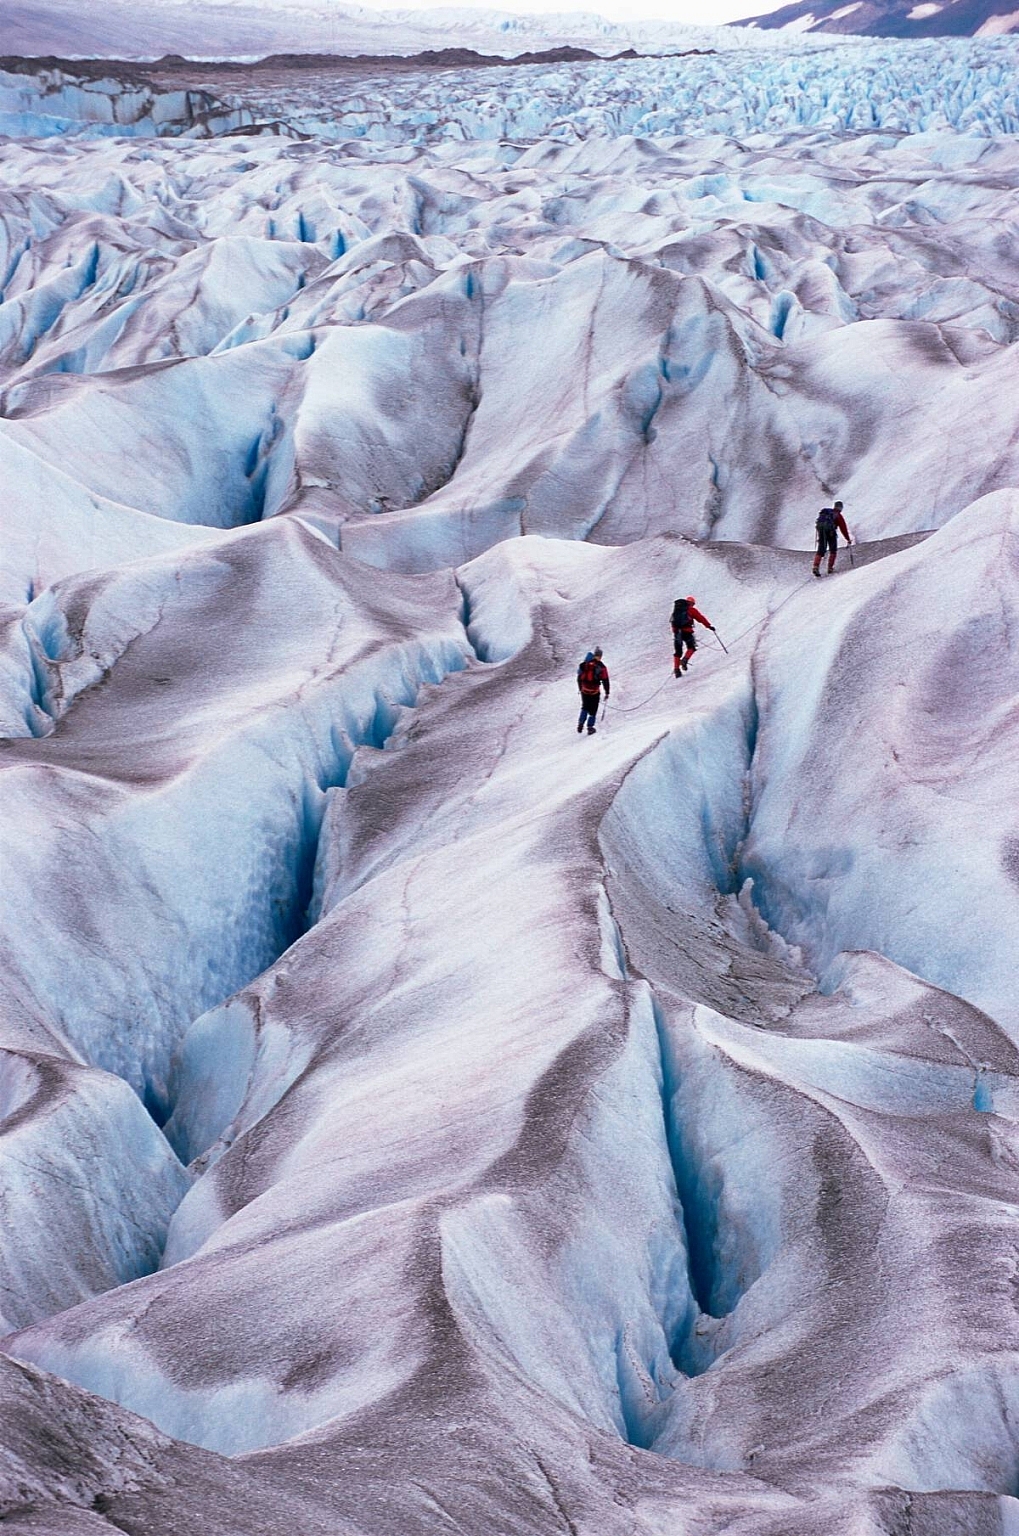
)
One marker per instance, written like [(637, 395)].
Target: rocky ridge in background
[(891, 18)]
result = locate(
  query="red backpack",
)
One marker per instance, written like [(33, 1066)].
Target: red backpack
[(590, 675)]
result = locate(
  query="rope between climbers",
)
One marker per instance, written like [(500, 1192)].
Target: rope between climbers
[(632, 708)]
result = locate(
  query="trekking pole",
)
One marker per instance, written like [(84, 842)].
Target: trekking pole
[(721, 642)]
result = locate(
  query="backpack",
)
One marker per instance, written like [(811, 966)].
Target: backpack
[(826, 520), (590, 675), (681, 614)]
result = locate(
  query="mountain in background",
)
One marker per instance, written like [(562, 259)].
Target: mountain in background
[(245, 29), (893, 18)]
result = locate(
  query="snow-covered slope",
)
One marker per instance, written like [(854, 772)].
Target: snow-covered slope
[(416, 1116), (892, 18)]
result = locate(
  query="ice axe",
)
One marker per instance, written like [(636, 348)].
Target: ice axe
[(721, 642), (852, 562)]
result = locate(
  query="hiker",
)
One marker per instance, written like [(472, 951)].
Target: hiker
[(684, 611), (830, 523), (592, 677)]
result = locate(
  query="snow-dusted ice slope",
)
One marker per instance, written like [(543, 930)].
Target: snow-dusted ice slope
[(416, 1117)]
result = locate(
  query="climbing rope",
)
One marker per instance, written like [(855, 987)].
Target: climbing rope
[(766, 616), (632, 708), (623, 710)]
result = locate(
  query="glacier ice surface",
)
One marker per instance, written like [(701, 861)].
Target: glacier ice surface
[(413, 1115)]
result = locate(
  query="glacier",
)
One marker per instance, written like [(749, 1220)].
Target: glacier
[(732, 83), (415, 1116)]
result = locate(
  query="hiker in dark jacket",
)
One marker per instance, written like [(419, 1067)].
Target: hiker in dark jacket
[(684, 612), (592, 677), (830, 523)]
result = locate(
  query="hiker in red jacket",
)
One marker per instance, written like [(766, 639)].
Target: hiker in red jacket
[(684, 611), (592, 677), (830, 523)]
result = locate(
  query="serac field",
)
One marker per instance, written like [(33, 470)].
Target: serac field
[(416, 1117)]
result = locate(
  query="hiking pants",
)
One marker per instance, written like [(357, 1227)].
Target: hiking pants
[(827, 540), (681, 638), (589, 705)]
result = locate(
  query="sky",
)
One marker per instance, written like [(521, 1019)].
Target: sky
[(694, 12)]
